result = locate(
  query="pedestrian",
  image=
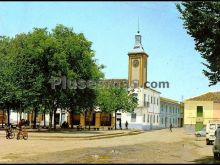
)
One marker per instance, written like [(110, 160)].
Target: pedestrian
[(126, 124), (171, 126), (120, 124)]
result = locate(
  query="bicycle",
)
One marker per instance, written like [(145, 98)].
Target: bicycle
[(22, 133), (10, 133)]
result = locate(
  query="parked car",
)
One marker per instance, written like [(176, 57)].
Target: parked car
[(216, 146), (201, 133), (210, 131)]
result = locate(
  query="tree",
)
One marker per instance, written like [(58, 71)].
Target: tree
[(34, 58), (202, 21), (114, 98), (80, 65), (8, 85)]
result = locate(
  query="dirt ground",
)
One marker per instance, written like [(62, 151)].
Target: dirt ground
[(158, 146)]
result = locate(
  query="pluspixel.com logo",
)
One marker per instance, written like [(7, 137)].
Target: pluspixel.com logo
[(92, 84)]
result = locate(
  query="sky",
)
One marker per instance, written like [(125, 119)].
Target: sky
[(111, 26)]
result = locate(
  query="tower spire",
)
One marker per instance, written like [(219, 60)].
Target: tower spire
[(138, 26)]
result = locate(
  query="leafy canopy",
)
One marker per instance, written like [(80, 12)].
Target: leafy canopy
[(202, 21)]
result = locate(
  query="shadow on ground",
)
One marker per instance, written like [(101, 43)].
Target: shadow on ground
[(206, 160)]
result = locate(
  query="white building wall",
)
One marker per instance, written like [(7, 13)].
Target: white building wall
[(145, 108), (15, 117), (172, 115)]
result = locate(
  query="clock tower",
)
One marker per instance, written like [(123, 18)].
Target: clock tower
[(137, 65)]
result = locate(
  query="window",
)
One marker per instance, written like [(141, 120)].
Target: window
[(199, 111), (157, 119), (212, 126), (151, 99), (144, 118), (157, 101), (162, 120), (148, 117), (133, 117), (154, 118)]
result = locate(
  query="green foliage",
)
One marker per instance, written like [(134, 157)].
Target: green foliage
[(112, 98), (202, 21), (29, 60)]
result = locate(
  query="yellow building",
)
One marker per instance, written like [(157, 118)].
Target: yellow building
[(198, 111), (96, 119)]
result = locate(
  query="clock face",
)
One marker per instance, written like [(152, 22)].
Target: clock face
[(135, 63)]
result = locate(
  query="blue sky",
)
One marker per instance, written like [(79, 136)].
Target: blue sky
[(111, 27)]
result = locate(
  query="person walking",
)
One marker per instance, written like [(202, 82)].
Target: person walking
[(126, 124), (120, 124), (171, 126)]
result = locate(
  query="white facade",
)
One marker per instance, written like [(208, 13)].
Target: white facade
[(170, 113), (146, 115)]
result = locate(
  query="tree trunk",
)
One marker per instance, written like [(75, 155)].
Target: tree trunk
[(35, 118), (89, 119), (50, 119), (85, 116), (115, 120), (8, 113), (111, 120), (89, 122), (44, 119), (3, 118)]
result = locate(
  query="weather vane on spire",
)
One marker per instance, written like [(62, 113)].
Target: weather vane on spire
[(138, 26)]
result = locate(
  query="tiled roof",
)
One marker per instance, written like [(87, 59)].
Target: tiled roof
[(163, 99), (210, 96)]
